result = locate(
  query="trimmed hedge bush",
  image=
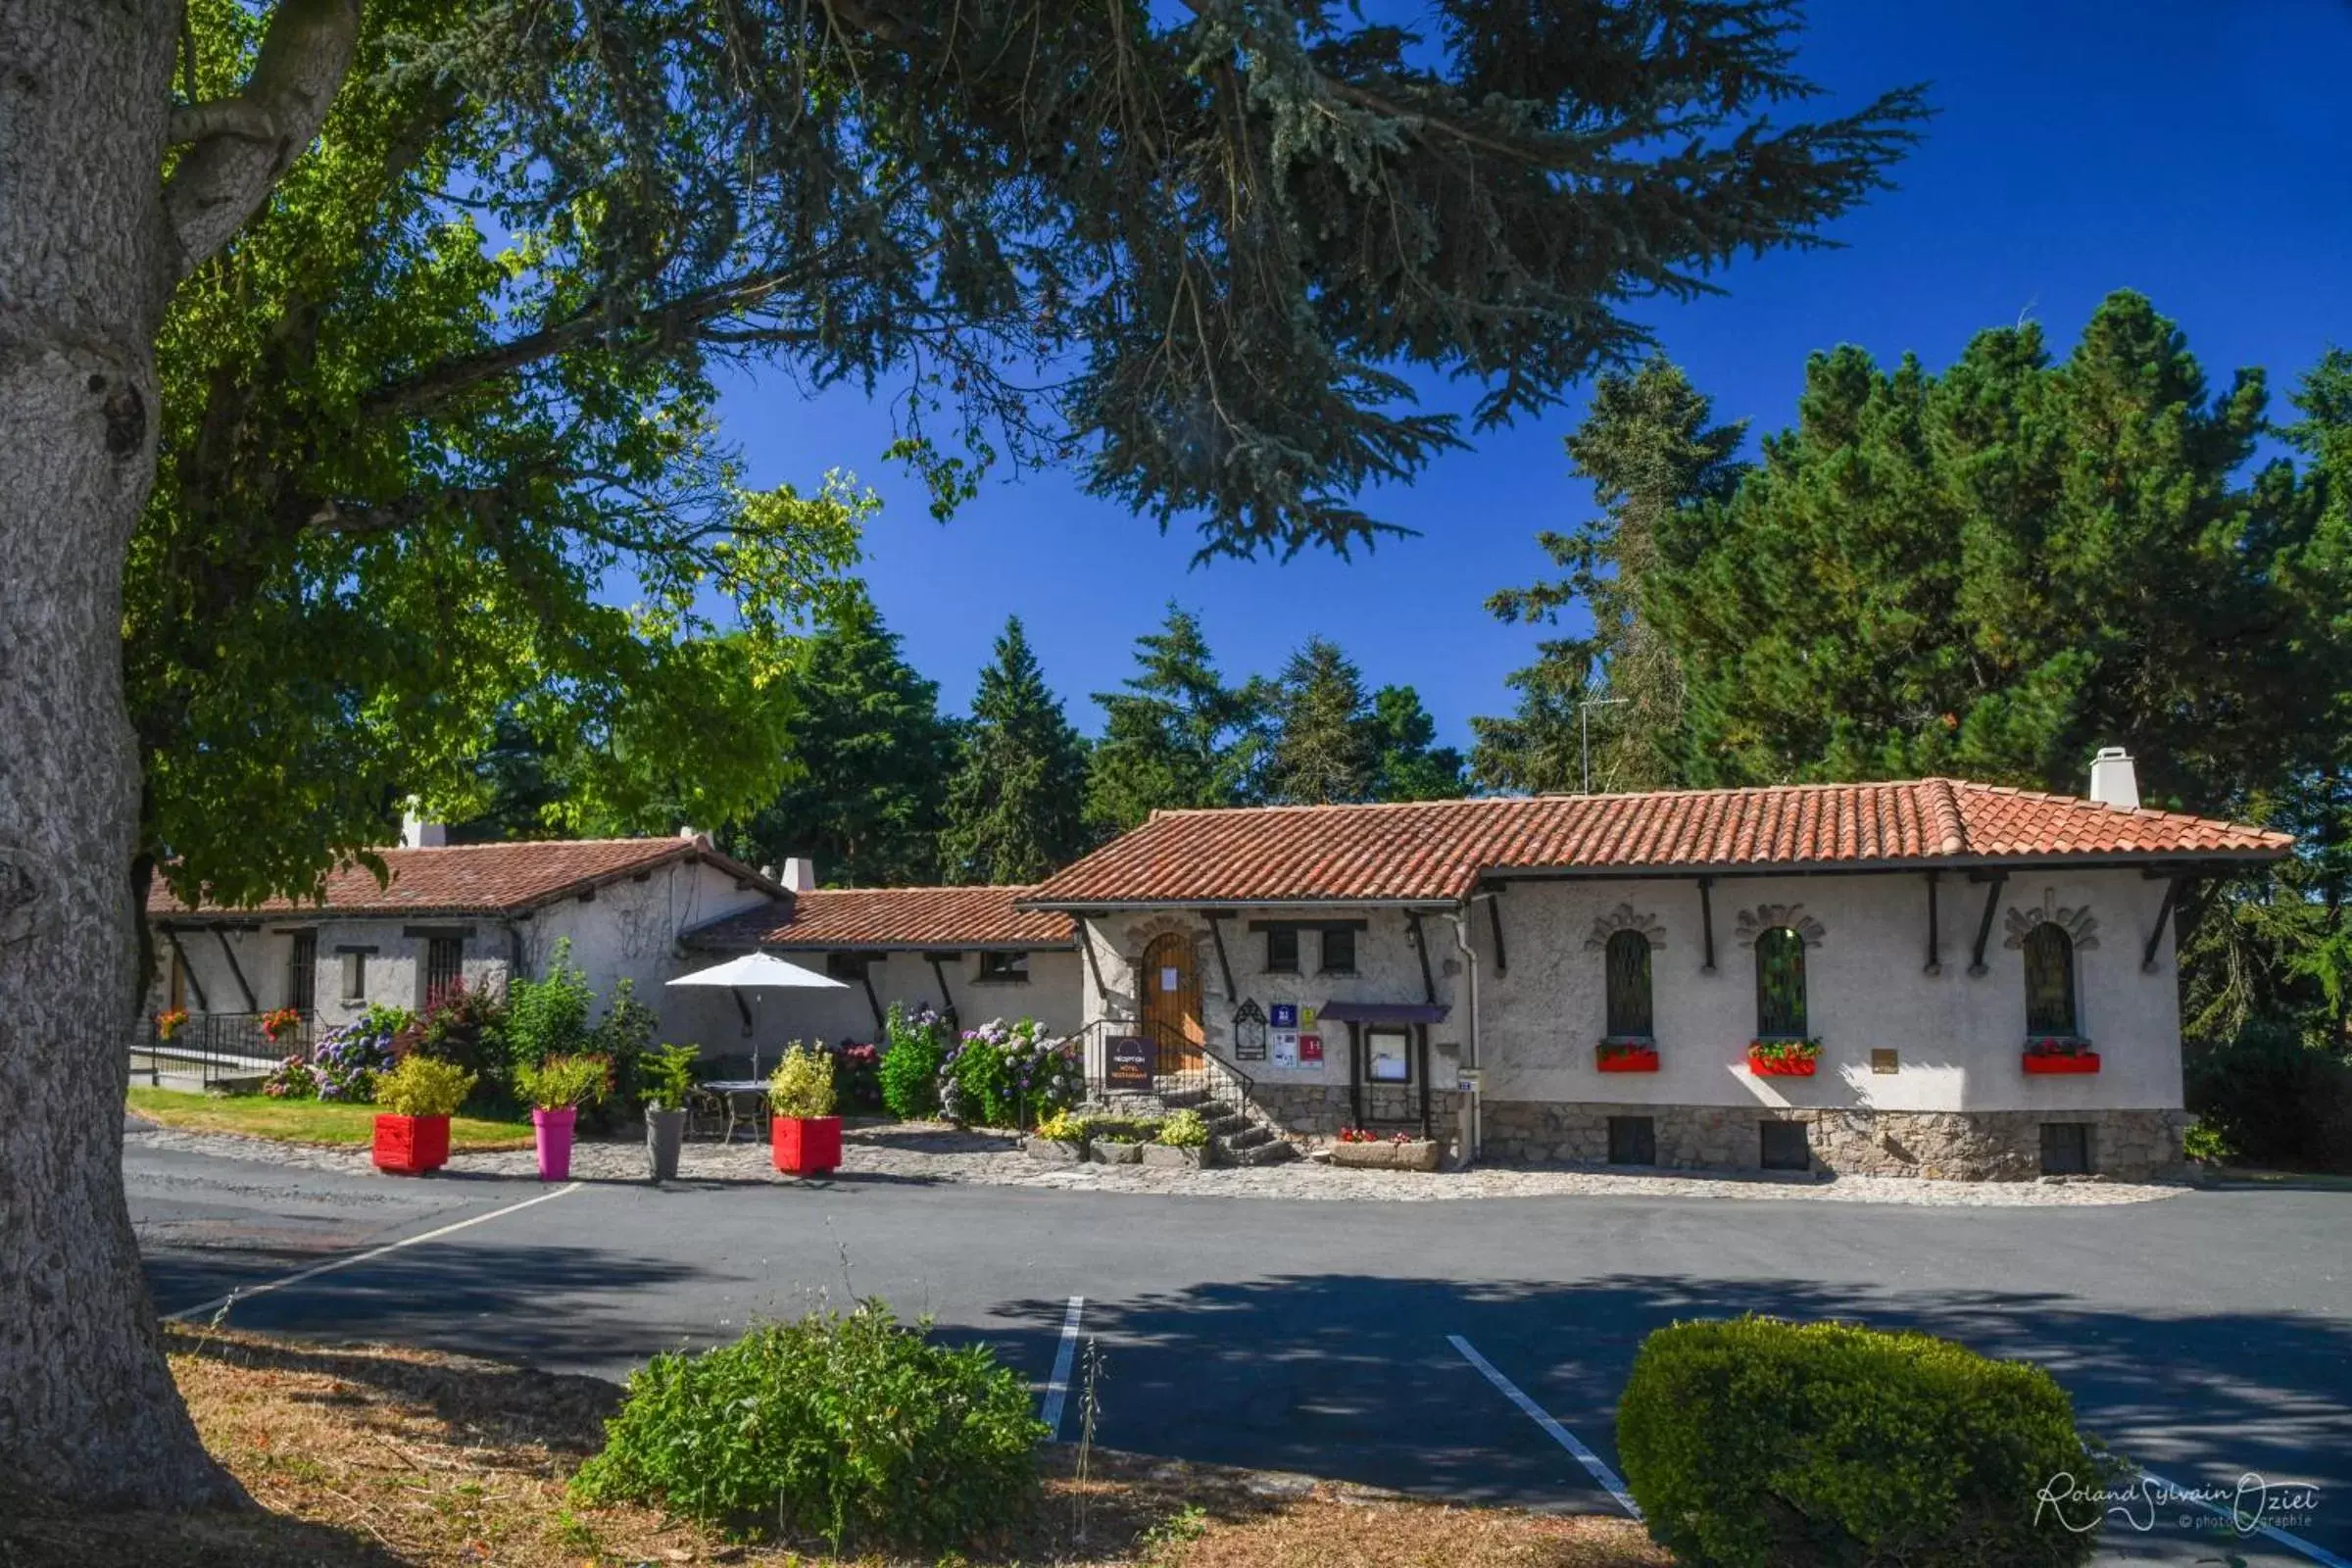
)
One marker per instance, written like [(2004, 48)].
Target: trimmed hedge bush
[(1760, 1443), (844, 1426)]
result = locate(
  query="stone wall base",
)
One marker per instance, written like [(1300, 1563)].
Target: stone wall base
[(1320, 1110), (1958, 1146)]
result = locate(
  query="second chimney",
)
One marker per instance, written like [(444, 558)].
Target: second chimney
[(2114, 781), (799, 874), (415, 833)]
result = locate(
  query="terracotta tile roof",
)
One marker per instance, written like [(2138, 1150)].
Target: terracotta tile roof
[(477, 878), (939, 918), (1436, 851)]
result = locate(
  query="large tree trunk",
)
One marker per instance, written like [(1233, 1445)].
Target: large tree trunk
[(88, 1408)]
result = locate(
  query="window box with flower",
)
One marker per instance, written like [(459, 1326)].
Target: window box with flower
[(1360, 1149), (1783, 1058), (2052, 1054), (1626, 1054)]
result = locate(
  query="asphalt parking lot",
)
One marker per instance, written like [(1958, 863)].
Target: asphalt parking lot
[(1457, 1350)]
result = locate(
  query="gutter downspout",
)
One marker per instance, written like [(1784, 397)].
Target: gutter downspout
[(1461, 942)]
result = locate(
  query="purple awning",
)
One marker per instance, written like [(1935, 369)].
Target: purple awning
[(1383, 1012)]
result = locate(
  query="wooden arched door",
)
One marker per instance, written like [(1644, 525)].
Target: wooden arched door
[(1171, 987)]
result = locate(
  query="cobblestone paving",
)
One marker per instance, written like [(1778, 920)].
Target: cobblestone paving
[(924, 1153)]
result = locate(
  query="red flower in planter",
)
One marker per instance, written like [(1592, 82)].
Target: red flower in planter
[(1783, 1058), (1625, 1055), (2055, 1055)]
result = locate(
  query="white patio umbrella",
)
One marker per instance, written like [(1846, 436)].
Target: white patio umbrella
[(759, 972)]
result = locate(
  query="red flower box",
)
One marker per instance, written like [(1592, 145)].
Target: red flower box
[(2041, 1063), (805, 1145), (1626, 1058), (411, 1146), (1783, 1066)]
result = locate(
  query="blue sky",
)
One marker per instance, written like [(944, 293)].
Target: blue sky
[(2199, 151)]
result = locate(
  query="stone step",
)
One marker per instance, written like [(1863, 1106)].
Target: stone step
[(1231, 1122), (1246, 1138), (1274, 1152)]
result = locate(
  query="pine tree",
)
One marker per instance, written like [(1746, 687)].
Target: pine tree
[(1648, 449), (1016, 805), (871, 757), (1174, 735), (1325, 749), (1411, 766)]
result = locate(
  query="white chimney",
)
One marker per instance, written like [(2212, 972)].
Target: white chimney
[(415, 833), (799, 874), (2113, 779)]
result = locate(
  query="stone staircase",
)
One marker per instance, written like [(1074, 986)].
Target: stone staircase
[(1238, 1138)]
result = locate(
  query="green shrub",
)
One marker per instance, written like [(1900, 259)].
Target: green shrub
[(2270, 1098), (840, 1426), (422, 1087), (561, 1082), (1183, 1130), (910, 1070), (1759, 1443), (803, 1083), (668, 1077), (548, 1016)]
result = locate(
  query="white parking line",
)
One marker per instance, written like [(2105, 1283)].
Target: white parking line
[(1560, 1434), (244, 1292), (1058, 1391), (2318, 1554)]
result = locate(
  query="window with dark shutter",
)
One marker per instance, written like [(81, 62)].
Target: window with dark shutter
[(1628, 963), (302, 973), (1779, 985), (1339, 949), (2050, 981), (1004, 966), (1282, 949)]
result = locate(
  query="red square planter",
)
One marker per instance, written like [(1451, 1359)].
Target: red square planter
[(1782, 1066), (2080, 1061), (805, 1145), (1626, 1058), (411, 1146)]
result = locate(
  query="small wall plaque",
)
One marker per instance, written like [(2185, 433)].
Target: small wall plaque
[(1883, 1061)]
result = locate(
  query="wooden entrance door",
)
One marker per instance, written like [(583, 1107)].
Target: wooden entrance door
[(1171, 1009)]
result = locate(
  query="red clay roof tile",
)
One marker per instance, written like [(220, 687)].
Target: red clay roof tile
[(940, 919), (1436, 851)]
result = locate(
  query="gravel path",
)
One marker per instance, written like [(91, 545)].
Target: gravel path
[(939, 1154)]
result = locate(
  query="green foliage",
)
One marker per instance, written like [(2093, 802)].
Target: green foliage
[(420, 1086), (1760, 1443), (870, 757), (911, 1061), (842, 1426), (1408, 764), (1324, 748), (668, 1077), (803, 1083), (563, 1082), (1184, 1129), (1016, 805), (1175, 735), (549, 1017), (2270, 1096), (623, 1037), (467, 1026), (1064, 1128)]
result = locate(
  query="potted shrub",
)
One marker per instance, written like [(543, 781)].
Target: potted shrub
[(419, 1097), (2058, 1054), (167, 1023), (1783, 1058), (803, 1133), (1361, 1149), (1183, 1142), (669, 1079), (557, 1089), (278, 1021), (1627, 1056)]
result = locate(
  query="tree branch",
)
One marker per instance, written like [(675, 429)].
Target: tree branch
[(238, 148)]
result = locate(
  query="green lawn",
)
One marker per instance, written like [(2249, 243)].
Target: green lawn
[(305, 1121)]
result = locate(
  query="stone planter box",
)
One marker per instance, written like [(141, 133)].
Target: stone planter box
[(1167, 1157), (1053, 1151), (1419, 1155), (1116, 1152), (2052, 1063), (1626, 1058)]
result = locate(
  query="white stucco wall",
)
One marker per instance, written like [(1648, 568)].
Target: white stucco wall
[(1957, 1037)]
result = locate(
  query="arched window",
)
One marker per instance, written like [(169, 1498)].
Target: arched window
[(1780, 984), (1628, 961), (2050, 981)]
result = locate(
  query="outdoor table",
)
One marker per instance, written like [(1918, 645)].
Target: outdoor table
[(727, 1089)]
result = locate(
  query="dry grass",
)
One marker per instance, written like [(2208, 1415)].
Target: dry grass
[(332, 1123), (373, 1457)]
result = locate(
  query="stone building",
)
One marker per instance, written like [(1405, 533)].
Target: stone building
[(1987, 974)]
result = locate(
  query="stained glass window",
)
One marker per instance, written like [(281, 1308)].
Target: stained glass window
[(2050, 981), (1628, 962)]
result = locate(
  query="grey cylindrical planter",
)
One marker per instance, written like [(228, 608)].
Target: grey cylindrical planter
[(664, 1135)]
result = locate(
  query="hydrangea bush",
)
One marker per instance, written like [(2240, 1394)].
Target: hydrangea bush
[(1007, 1075), (346, 1059)]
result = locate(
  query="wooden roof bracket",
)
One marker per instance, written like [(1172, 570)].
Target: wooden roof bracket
[(1429, 982), (1706, 922), (1994, 884), (2174, 892), (1216, 919), (1934, 928)]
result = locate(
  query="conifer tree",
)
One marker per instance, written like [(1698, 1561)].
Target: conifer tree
[(1174, 734), (1324, 748), (1411, 765), (1016, 805)]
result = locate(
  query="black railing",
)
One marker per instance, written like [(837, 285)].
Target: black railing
[(216, 1047), (1167, 1061)]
